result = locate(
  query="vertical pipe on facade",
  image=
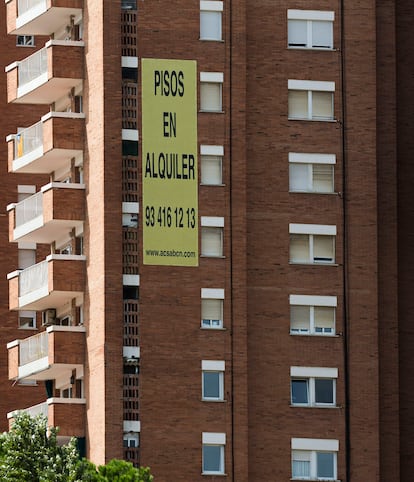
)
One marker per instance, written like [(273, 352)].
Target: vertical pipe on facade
[(345, 252), (231, 233)]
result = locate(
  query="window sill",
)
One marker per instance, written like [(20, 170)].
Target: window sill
[(322, 49), (33, 328), (314, 192), (211, 111), (221, 41), (208, 400), (212, 256), (212, 329), (312, 120), (316, 480), (214, 185), (218, 474), (303, 263), (329, 407), (333, 335)]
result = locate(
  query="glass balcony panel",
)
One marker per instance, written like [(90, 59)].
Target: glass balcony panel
[(33, 348), (29, 209), (33, 278), (28, 140), (34, 66), (24, 6)]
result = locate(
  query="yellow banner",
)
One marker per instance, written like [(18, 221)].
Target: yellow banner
[(169, 162)]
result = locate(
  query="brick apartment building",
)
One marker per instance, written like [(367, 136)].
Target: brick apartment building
[(207, 233)]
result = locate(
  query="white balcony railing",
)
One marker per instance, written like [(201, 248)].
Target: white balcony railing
[(24, 6), (39, 409), (33, 348), (29, 209), (33, 278), (32, 67), (27, 140)]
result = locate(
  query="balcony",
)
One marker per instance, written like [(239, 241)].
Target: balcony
[(48, 145), (48, 215), (40, 17), (47, 75), (66, 413), (51, 355), (48, 284)]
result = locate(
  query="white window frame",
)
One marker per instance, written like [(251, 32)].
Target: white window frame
[(215, 7), (310, 375), (210, 223), (308, 17), (213, 367), (310, 160), (312, 447), (29, 315), (216, 440), (212, 152), (214, 78), (214, 294), (131, 437), (311, 87), (311, 302), (28, 41), (312, 230)]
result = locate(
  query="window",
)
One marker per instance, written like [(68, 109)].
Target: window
[(212, 165), (27, 319), (129, 4), (311, 100), (129, 148), (312, 243), (211, 91), (213, 453), (212, 380), (25, 41), (212, 308), (212, 236), (131, 439), (313, 386), (130, 74), (314, 459), (210, 20), (313, 315), (310, 29), (311, 172)]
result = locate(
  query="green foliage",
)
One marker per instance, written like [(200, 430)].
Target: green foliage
[(29, 452), (121, 471)]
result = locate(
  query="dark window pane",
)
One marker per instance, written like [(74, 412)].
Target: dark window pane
[(129, 73), (325, 464), (324, 390), (211, 458), (300, 391), (131, 292), (211, 385), (129, 148)]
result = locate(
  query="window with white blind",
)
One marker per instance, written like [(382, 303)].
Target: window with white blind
[(213, 453), (311, 100), (317, 460), (310, 29), (212, 236), (211, 91), (312, 243), (212, 308), (211, 20), (312, 315), (311, 172), (313, 386), (211, 241), (212, 380), (211, 165)]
